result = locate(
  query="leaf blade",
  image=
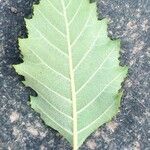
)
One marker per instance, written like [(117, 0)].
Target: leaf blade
[(76, 69)]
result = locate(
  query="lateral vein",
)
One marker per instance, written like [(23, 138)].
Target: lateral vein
[(92, 76), (99, 94), (56, 93), (43, 97), (69, 132), (44, 63), (59, 50), (85, 55), (78, 9), (42, 14), (54, 7), (81, 32), (86, 127)]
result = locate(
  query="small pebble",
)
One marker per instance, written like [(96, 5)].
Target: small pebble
[(13, 10), (14, 117)]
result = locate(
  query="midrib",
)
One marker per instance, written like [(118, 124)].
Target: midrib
[(73, 93)]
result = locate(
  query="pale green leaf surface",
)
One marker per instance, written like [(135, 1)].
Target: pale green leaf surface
[(73, 66)]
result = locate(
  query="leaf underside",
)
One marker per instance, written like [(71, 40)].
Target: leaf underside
[(73, 66)]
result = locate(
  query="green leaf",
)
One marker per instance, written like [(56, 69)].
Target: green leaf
[(73, 66)]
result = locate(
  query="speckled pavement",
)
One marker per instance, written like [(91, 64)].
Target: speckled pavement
[(22, 129)]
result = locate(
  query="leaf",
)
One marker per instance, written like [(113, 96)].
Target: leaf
[(73, 66)]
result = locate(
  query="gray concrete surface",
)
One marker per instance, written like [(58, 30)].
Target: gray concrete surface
[(22, 129)]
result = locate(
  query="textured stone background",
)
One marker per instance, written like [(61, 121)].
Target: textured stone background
[(22, 129)]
